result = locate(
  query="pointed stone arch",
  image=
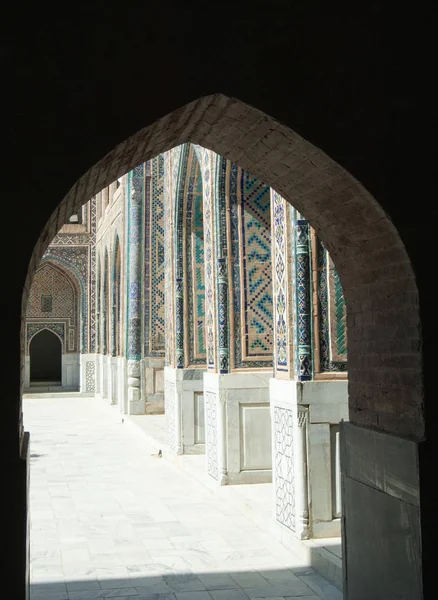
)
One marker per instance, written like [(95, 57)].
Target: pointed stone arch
[(382, 298)]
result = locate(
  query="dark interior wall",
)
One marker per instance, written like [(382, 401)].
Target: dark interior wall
[(45, 352), (349, 81)]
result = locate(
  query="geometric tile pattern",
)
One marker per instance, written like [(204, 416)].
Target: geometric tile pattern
[(116, 298), (279, 273), (135, 203), (171, 171), (74, 247), (105, 305), (195, 267), (90, 376), (331, 315), (51, 281), (209, 250), (180, 243), (98, 342), (75, 260), (154, 308), (223, 284), (252, 269), (91, 278), (284, 467), (32, 328), (303, 303), (337, 316), (211, 434)]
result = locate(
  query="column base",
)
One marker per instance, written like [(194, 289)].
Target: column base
[(184, 409), (137, 408), (237, 413), (153, 385)]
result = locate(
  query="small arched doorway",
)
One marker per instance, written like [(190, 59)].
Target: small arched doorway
[(45, 351)]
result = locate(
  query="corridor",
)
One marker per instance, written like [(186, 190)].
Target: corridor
[(109, 519)]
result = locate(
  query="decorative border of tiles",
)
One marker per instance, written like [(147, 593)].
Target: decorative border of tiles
[(134, 238), (303, 303), (279, 274), (90, 376)]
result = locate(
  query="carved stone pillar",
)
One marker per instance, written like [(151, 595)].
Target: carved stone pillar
[(301, 480), (222, 435)]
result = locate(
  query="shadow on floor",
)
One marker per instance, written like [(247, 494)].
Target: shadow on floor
[(157, 581)]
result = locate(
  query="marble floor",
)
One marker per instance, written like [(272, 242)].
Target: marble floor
[(111, 520)]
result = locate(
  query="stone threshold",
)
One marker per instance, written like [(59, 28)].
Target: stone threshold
[(253, 501)]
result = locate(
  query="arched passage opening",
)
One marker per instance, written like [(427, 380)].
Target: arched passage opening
[(378, 283), (45, 350)]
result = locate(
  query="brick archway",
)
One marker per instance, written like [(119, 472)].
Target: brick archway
[(384, 328), (385, 380)]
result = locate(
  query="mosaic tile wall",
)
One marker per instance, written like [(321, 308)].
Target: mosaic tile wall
[(281, 293), (154, 275), (194, 264), (171, 169), (179, 243), (57, 328), (116, 293), (53, 298), (105, 313), (252, 270), (74, 247), (135, 242), (222, 253), (91, 275), (332, 318), (207, 160), (98, 344), (303, 295), (75, 260)]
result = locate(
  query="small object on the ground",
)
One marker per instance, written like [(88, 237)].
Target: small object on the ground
[(123, 420), (158, 455)]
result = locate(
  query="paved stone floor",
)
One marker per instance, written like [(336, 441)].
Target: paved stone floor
[(110, 520)]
